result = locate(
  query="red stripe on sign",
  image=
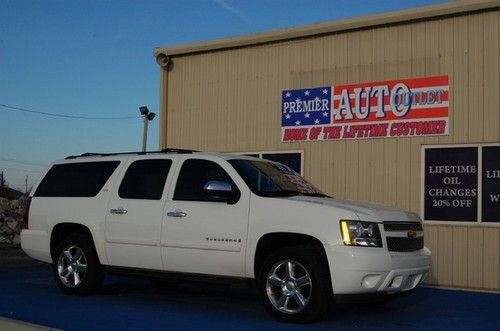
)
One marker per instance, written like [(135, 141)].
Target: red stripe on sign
[(389, 115), (411, 83)]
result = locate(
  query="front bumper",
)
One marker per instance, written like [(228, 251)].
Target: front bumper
[(358, 270)]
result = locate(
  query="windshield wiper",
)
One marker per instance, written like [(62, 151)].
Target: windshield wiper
[(282, 193), (291, 193), (317, 194)]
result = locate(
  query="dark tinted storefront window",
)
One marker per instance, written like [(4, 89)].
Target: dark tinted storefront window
[(451, 184), (291, 160), (491, 184)]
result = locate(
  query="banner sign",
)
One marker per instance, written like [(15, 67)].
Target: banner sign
[(491, 184), (396, 108), (451, 185)]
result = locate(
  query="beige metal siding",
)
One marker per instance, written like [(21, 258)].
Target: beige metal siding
[(464, 256), (229, 100)]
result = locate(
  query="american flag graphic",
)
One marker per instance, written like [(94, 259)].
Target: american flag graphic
[(306, 107)]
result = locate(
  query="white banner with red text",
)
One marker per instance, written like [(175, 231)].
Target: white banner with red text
[(395, 108)]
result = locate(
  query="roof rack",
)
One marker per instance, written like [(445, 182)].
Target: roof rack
[(163, 151), (178, 150)]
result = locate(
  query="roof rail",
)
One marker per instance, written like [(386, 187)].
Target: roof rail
[(163, 151), (178, 150)]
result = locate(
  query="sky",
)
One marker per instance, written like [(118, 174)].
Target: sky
[(94, 59)]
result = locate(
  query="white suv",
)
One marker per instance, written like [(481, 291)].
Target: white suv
[(191, 213)]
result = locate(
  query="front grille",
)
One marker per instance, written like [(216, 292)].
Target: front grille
[(403, 242), (402, 226), (400, 244)]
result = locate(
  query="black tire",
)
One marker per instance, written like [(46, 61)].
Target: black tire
[(90, 278), (318, 293)]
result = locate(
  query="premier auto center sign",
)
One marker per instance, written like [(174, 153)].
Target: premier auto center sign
[(396, 108)]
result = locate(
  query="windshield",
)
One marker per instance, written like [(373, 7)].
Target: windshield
[(273, 179)]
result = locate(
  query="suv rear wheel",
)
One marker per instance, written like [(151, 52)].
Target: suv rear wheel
[(295, 284), (76, 267)]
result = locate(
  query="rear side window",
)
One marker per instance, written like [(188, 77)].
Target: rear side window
[(145, 179), (83, 179), (194, 174)]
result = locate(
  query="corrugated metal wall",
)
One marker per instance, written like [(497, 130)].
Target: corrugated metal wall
[(230, 101)]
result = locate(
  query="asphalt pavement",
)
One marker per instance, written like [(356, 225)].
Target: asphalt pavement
[(28, 294)]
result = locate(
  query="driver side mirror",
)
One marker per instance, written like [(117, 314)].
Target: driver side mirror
[(221, 191)]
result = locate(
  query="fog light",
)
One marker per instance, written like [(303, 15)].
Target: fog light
[(370, 281), (396, 282)]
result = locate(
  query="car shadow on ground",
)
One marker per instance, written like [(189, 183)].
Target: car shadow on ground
[(242, 298), (29, 293)]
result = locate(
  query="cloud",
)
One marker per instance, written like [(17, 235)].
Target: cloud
[(224, 5)]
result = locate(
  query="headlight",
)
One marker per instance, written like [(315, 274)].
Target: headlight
[(357, 233)]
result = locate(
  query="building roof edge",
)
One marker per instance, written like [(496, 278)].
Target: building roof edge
[(355, 23)]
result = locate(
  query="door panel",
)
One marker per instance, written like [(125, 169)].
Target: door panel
[(135, 215), (208, 240), (205, 237)]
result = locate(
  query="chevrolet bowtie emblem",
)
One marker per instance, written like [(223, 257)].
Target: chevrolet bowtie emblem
[(412, 234)]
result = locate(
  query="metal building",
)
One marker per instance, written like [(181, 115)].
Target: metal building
[(429, 142)]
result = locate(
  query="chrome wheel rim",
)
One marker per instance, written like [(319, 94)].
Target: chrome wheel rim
[(289, 286), (72, 266)]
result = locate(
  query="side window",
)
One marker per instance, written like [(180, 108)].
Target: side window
[(82, 179), (194, 174), (145, 179)]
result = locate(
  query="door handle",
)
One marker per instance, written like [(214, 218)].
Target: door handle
[(177, 213), (118, 211)]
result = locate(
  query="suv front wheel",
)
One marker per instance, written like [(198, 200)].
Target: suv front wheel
[(76, 267), (294, 283)]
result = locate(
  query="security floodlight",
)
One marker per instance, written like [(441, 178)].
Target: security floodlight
[(163, 60), (150, 116), (147, 116)]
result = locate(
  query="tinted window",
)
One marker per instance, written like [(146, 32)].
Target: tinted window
[(83, 179), (145, 179), (273, 179), (290, 159), (194, 175)]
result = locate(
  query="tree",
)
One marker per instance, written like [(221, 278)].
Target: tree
[(3, 182)]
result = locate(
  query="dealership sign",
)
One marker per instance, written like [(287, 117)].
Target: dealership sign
[(396, 108)]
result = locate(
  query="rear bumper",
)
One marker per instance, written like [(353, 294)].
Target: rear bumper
[(358, 270), (36, 244)]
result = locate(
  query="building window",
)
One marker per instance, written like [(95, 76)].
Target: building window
[(461, 183), (292, 159)]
